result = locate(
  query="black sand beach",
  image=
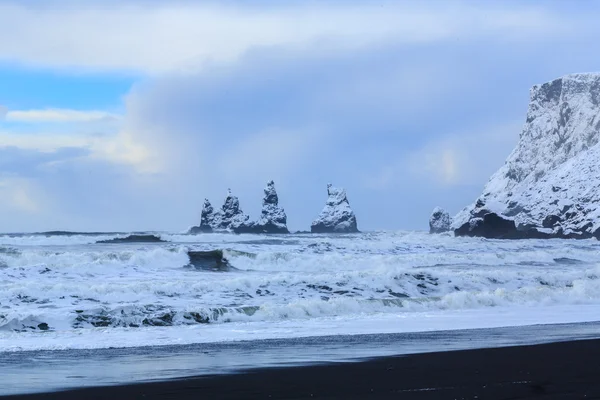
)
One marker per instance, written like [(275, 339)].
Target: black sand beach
[(563, 370)]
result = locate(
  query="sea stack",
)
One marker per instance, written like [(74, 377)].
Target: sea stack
[(272, 218), (208, 219), (232, 217), (439, 222), (549, 187), (337, 216)]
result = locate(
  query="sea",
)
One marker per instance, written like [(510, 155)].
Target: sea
[(87, 309)]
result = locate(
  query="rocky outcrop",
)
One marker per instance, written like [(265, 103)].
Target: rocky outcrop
[(207, 219), (272, 218), (209, 260), (337, 216), (232, 217), (550, 183), (439, 222)]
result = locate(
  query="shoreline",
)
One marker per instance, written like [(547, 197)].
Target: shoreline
[(566, 369)]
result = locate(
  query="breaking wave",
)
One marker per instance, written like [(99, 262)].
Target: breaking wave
[(67, 282)]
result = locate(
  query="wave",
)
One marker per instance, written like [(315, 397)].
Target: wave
[(152, 315), (218, 279), (134, 239)]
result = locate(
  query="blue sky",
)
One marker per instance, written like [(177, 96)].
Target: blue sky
[(408, 105)]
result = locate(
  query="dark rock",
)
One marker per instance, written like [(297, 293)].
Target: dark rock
[(209, 260), (550, 221), (43, 326), (491, 226), (134, 239)]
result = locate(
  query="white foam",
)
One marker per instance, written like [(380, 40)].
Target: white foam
[(283, 281), (99, 338)]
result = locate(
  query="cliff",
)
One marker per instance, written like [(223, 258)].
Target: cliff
[(550, 184)]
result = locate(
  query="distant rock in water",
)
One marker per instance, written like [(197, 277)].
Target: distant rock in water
[(207, 219), (209, 260), (229, 218), (549, 187), (272, 218), (439, 222), (232, 217), (337, 216), (134, 239)]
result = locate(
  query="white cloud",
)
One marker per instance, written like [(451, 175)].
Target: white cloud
[(58, 115), (157, 38), (3, 111), (41, 141)]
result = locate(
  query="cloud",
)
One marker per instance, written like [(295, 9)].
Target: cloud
[(3, 112), (301, 119), (57, 115), (404, 117), (159, 37)]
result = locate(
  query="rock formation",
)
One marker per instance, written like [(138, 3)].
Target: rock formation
[(550, 184), (232, 217), (337, 216), (272, 218), (207, 219), (439, 222), (229, 218)]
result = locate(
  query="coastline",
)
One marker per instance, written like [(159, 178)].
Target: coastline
[(562, 370)]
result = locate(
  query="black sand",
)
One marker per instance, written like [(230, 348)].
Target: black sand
[(565, 370)]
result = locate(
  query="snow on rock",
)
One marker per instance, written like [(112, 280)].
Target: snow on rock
[(550, 184), (337, 216), (208, 219), (232, 217), (272, 218), (439, 221)]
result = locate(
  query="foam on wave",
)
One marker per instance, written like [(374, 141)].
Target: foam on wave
[(139, 287)]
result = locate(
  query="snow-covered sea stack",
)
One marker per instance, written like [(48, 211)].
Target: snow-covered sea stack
[(272, 217), (550, 183), (439, 222), (232, 217), (337, 216), (208, 219)]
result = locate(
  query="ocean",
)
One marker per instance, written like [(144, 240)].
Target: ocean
[(68, 300)]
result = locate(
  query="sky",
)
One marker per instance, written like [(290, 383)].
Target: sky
[(125, 115)]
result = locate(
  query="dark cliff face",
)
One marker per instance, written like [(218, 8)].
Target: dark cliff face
[(550, 183)]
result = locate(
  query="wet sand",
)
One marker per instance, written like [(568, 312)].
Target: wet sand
[(564, 370)]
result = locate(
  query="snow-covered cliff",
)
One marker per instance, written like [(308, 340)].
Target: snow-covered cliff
[(337, 216), (550, 184)]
